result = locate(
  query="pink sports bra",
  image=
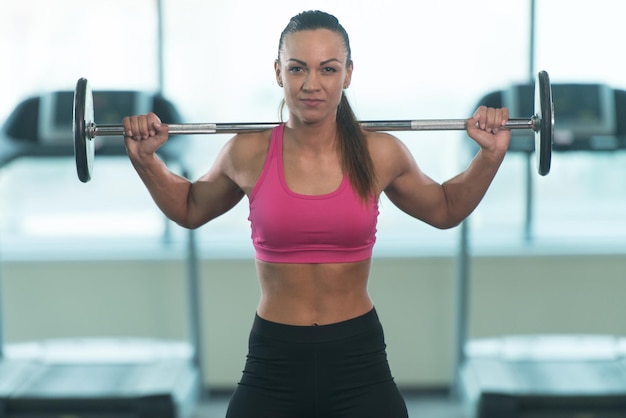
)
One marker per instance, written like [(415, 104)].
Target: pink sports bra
[(289, 227)]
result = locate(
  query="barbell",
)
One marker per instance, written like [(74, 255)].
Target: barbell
[(85, 129)]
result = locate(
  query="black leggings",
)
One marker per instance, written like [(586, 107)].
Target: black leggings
[(337, 370)]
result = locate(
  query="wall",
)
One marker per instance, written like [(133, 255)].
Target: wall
[(414, 297)]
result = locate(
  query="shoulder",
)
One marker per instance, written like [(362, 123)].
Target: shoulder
[(390, 156), (245, 147), (243, 156), (381, 139), (386, 147)]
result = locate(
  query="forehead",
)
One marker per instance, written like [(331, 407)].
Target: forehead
[(315, 44)]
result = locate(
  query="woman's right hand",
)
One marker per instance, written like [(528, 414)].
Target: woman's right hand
[(144, 134)]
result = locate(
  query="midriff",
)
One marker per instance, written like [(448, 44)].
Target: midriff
[(313, 294)]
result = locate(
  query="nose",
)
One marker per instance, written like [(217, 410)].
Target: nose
[(311, 81)]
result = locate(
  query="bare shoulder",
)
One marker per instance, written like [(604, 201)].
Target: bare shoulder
[(243, 156), (382, 143), (244, 148), (249, 144), (390, 156)]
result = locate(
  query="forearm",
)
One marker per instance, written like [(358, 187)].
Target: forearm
[(169, 191), (464, 192)]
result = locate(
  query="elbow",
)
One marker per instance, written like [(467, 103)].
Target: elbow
[(449, 224), (448, 220), (451, 214), (188, 225), (195, 219), (190, 222), (184, 219)]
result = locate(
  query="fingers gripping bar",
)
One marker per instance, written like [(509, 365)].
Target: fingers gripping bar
[(85, 129)]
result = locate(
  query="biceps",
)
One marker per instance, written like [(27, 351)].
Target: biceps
[(419, 196), (212, 197)]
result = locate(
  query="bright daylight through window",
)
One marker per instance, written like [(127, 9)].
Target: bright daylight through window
[(440, 65)]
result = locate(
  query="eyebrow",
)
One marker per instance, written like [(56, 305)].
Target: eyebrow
[(321, 63)]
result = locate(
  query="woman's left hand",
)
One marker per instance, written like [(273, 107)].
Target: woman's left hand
[(486, 128)]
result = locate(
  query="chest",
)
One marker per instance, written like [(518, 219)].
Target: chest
[(312, 175), (284, 219)]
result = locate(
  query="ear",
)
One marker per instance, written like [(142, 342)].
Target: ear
[(277, 71), (348, 79)]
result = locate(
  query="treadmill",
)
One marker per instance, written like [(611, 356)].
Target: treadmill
[(546, 376), (96, 377), (136, 378)]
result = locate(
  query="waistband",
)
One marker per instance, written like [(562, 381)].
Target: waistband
[(317, 333)]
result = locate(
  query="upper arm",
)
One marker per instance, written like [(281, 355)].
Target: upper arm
[(210, 196), (234, 172), (405, 184)]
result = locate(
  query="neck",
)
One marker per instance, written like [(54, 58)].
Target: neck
[(317, 135)]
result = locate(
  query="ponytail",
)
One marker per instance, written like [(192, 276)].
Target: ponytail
[(355, 157)]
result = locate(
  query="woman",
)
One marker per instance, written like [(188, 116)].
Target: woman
[(316, 347)]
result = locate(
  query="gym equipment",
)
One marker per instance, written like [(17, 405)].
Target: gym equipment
[(99, 377), (545, 376), (85, 129)]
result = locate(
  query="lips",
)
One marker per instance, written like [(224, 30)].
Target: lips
[(311, 102)]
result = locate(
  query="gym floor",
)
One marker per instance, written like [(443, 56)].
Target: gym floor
[(430, 405)]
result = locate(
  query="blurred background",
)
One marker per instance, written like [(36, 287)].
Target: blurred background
[(412, 61), (99, 259)]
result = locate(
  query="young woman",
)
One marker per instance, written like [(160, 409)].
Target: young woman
[(316, 347)]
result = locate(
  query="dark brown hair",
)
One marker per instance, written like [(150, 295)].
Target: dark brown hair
[(355, 157)]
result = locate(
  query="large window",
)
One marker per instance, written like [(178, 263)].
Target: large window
[(412, 61)]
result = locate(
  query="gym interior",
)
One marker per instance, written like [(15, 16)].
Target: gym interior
[(108, 309)]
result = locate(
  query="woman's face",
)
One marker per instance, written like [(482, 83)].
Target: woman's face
[(313, 71)]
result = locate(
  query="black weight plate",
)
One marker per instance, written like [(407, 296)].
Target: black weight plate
[(544, 108), (83, 118)]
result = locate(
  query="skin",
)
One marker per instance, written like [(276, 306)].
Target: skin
[(313, 71)]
